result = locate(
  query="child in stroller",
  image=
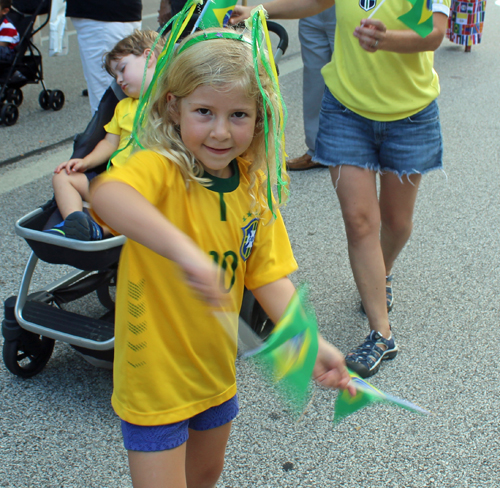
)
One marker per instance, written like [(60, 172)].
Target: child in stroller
[(24, 63), (9, 37), (126, 62)]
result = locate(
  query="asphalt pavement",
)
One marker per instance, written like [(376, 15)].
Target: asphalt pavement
[(58, 430)]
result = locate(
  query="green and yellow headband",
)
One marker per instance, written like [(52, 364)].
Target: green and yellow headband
[(262, 53)]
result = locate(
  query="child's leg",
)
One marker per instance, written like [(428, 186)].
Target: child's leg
[(70, 191), (165, 469), (205, 453)]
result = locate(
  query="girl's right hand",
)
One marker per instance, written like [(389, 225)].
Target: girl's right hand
[(240, 14), (203, 275), (76, 165)]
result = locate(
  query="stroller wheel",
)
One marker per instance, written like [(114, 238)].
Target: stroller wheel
[(56, 100), (15, 96), (43, 99), (28, 355), (9, 114)]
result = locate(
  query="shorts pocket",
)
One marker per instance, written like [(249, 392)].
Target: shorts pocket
[(428, 114), (331, 105)]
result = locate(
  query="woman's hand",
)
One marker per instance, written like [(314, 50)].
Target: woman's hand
[(330, 370), (371, 34), (240, 14), (72, 166)]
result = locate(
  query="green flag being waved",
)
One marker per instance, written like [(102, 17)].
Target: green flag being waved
[(289, 354), (366, 394)]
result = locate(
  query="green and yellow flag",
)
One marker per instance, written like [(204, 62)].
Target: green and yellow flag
[(367, 394), (419, 18), (216, 13), (289, 354)]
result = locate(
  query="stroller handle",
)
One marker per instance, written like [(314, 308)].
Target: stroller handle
[(282, 34)]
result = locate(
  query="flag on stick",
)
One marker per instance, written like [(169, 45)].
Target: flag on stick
[(419, 18), (289, 354), (216, 13), (366, 394)]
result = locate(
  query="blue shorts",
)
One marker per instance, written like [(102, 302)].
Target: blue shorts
[(170, 436), (90, 175), (407, 146)]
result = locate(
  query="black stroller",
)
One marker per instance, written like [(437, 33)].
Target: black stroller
[(27, 64), (34, 320)]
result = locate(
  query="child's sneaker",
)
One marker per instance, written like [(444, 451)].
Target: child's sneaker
[(57, 230), (365, 359), (80, 226)]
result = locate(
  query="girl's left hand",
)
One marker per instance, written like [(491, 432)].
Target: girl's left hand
[(330, 369), (371, 34)]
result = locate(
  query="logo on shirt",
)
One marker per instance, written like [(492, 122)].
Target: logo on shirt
[(367, 4), (248, 238)]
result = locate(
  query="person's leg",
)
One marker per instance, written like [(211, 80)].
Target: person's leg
[(357, 193), (6, 54), (165, 469), (397, 202), (316, 51), (411, 148), (205, 453), (156, 454), (70, 190), (95, 38)]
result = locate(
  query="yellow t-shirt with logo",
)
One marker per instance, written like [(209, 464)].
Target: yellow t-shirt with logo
[(173, 357), (122, 124), (380, 86)]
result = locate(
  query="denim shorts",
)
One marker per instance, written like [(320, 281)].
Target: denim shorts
[(407, 146), (170, 436)]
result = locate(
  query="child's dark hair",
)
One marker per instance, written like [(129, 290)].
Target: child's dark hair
[(5, 4), (136, 43)]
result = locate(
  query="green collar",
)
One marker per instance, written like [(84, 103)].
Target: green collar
[(224, 185)]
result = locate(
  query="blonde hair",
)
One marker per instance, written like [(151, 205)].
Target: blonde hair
[(218, 63), (136, 43)]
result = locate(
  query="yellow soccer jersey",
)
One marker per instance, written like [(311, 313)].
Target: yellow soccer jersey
[(173, 358), (121, 124), (381, 86)]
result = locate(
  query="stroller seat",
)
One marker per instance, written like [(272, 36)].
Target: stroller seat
[(33, 321), (84, 255)]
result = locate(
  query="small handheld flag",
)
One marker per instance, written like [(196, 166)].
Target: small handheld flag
[(216, 13), (419, 18), (366, 394), (289, 354)]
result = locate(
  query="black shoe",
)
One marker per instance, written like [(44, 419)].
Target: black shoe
[(80, 226)]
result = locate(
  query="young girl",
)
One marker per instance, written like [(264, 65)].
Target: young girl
[(194, 209)]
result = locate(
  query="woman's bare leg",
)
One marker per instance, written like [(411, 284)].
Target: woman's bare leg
[(357, 193), (397, 203)]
